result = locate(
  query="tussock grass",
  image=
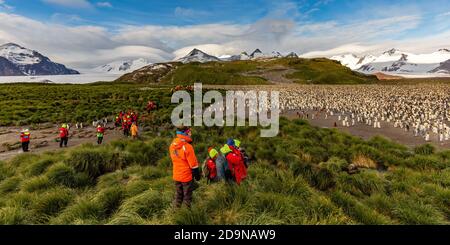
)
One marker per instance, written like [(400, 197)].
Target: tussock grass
[(423, 162), (71, 103), (147, 204), (38, 167), (426, 149), (299, 177), (110, 199), (51, 203), (36, 184), (136, 187), (5, 171), (357, 210), (84, 211), (363, 183), (127, 218), (96, 161), (10, 185), (13, 215), (364, 162), (196, 216), (415, 211), (62, 174)]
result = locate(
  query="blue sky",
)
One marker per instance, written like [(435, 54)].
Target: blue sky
[(166, 29), (191, 12)]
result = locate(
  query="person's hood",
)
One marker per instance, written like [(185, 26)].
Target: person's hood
[(181, 140), (225, 149)]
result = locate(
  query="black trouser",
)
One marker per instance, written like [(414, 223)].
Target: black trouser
[(25, 146), (99, 140), (184, 192), (126, 131), (64, 141)]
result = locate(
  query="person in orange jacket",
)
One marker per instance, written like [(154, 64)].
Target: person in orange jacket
[(134, 130), (25, 139), (185, 166)]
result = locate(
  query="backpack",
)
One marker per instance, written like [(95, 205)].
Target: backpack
[(228, 173), (205, 169)]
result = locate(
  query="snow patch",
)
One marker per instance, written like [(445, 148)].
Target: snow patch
[(19, 55), (122, 67), (72, 79)]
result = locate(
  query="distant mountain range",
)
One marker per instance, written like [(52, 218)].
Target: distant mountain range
[(395, 61), (16, 60), (197, 55), (122, 67)]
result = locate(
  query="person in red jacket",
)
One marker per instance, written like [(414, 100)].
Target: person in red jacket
[(25, 139), (150, 106), (125, 127), (129, 122), (100, 134), (63, 135), (235, 161), (242, 168), (210, 168)]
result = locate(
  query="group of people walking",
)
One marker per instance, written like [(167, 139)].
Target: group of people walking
[(229, 164), (63, 136), (128, 122)]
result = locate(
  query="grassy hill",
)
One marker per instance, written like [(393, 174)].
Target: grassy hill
[(325, 71), (229, 73), (314, 71), (149, 74), (299, 177)]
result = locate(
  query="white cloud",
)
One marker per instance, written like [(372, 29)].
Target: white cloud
[(4, 6), (355, 48), (322, 2), (189, 13), (70, 3), (84, 46), (104, 4), (66, 18)]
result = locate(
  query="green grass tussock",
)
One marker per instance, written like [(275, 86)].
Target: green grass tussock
[(299, 177)]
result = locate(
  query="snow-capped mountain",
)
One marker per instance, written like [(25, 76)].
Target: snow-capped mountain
[(200, 56), (122, 67), (352, 61), (19, 61), (257, 54), (443, 68), (229, 57), (197, 55), (291, 55), (242, 56), (398, 62), (276, 54), (7, 68)]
